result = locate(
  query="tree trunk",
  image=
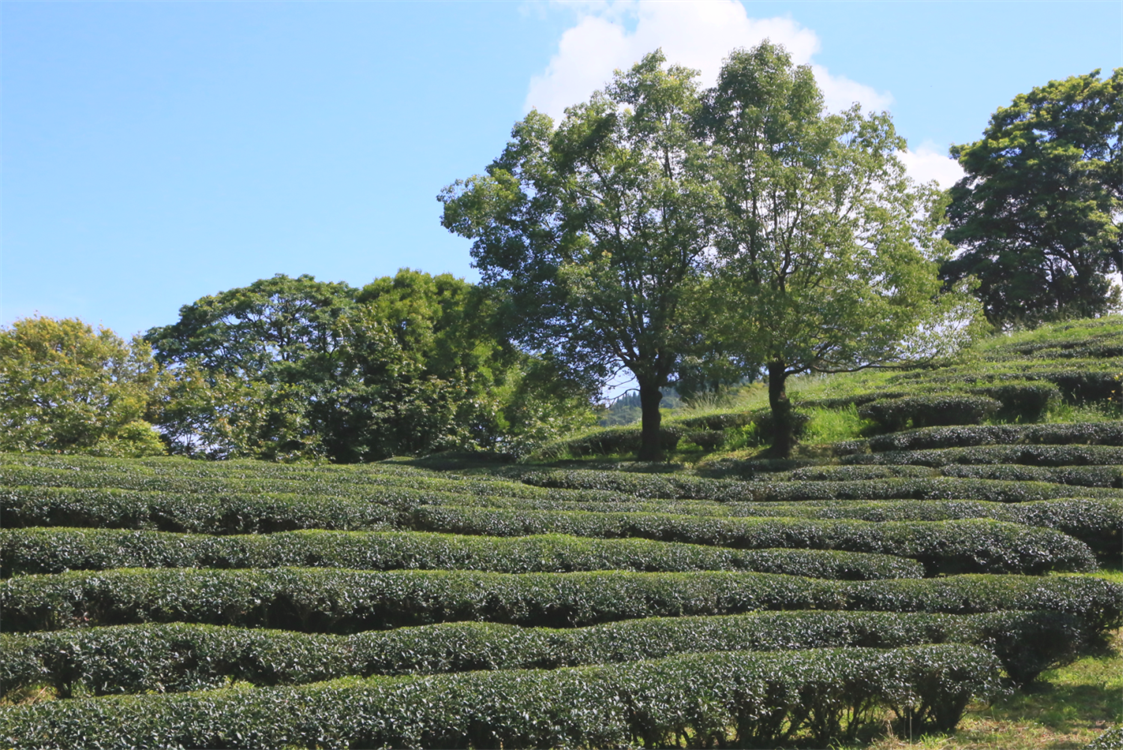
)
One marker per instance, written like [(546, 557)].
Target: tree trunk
[(651, 448), (783, 427)]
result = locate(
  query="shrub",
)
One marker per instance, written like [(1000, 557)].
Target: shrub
[(926, 411), (763, 698), (178, 657), (34, 551), (1031, 455), (976, 546), (1089, 433), (348, 601), (1081, 476)]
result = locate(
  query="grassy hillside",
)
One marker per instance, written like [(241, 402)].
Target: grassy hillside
[(940, 566)]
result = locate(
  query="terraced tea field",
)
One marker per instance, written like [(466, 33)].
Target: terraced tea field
[(887, 583)]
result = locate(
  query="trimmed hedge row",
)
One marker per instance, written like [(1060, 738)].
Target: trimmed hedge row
[(927, 411), (221, 514), (944, 548), (179, 657), (382, 489), (33, 551), (633, 485), (347, 601), (1087, 433), (700, 699), (1081, 476), (1030, 455)]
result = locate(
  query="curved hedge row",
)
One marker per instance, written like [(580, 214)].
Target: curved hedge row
[(649, 486), (1082, 476), (1087, 433), (763, 698), (347, 601), (179, 657), (1031, 455), (949, 547), (33, 551), (187, 513)]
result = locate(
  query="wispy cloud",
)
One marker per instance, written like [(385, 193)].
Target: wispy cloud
[(928, 163)]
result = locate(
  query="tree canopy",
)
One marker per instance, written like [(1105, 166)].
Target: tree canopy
[(1037, 216), (595, 230), (288, 368), (659, 227), (826, 250), (65, 387)]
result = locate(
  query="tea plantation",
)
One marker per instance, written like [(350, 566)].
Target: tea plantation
[(946, 554)]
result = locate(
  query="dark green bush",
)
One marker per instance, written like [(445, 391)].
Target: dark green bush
[(763, 698), (612, 441), (927, 411), (348, 601), (969, 546), (1088, 433), (1030, 455), (177, 657), (707, 440), (1080, 476), (33, 551), (853, 473)]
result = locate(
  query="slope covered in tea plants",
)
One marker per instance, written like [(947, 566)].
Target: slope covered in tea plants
[(896, 577)]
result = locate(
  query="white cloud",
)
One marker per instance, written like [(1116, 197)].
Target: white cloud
[(612, 35), (928, 163)]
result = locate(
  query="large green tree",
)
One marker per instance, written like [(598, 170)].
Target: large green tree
[(1037, 216), (827, 252), (65, 387), (594, 231)]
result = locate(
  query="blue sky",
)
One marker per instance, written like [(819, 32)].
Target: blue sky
[(154, 153)]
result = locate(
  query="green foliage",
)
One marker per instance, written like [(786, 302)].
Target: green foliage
[(66, 388), (1036, 218), (295, 368), (350, 601), (946, 547), (896, 414), (34, 551), (1105, 433), (826, 253), (178, 657), (568, 220), (760, 698)]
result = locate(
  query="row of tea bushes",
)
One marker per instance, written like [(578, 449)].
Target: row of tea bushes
[(649, 486), (1030, 455), (332, 600), (179, 657), (699, 699), (34, 551), (385, 489), (926, 411), (944, 548), (1081, 476), (1097, 523), (1009, 435)]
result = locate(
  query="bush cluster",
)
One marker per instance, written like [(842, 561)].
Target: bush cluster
[(1030, 455), (180, 657), (927, 411), (944, 548), (1088, 433), (762, 698), (34, 551), (329, 600)]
